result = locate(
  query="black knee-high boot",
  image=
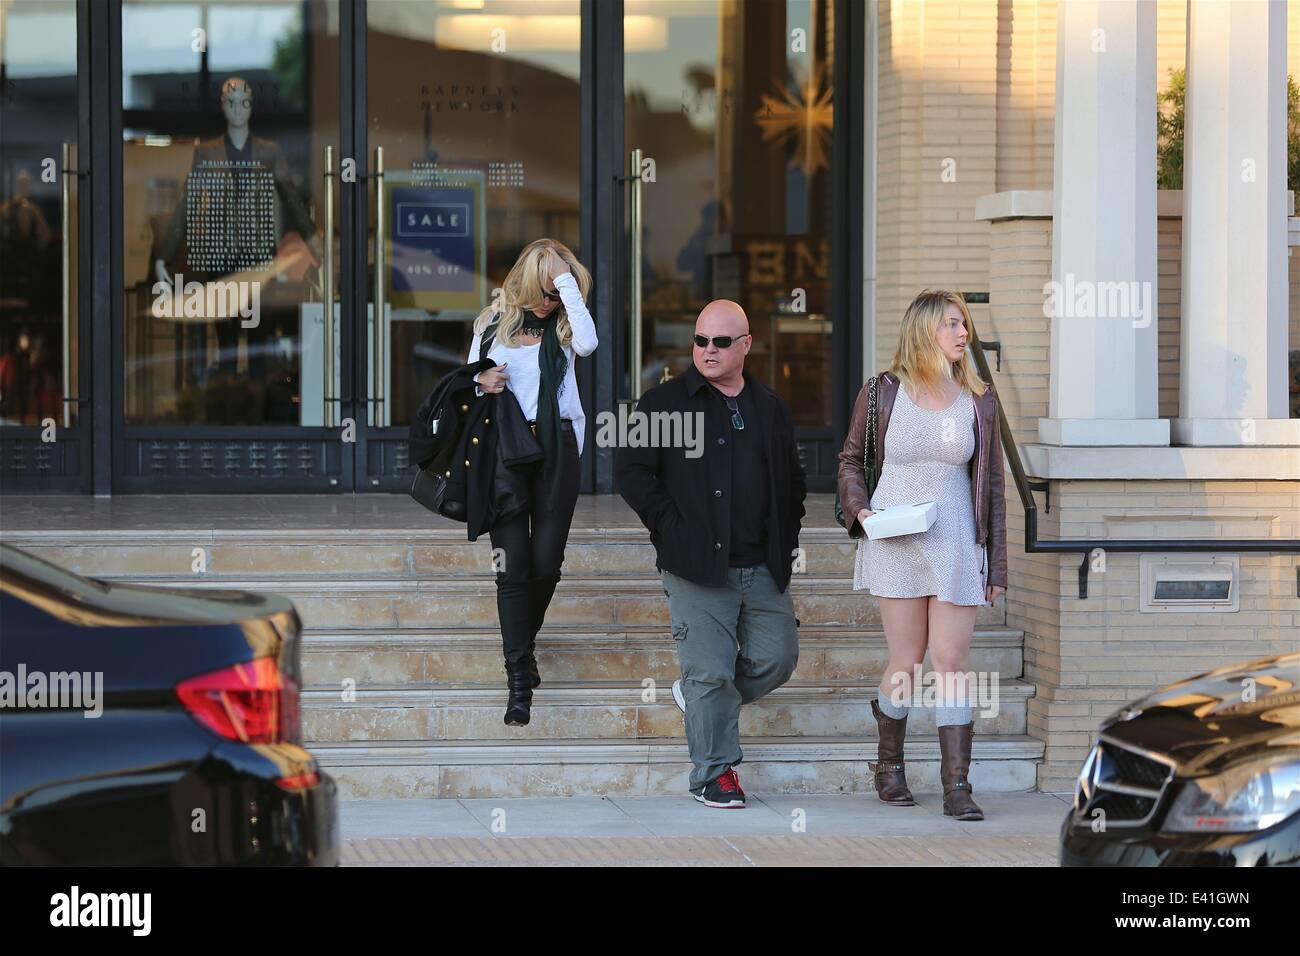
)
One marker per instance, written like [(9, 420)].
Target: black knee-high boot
[(514, 609), (520, 687), (540, 592)]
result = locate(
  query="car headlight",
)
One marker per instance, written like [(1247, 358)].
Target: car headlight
[(1083, 784), (1242, 799)]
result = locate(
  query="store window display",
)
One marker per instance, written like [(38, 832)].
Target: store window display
[(238, 230)]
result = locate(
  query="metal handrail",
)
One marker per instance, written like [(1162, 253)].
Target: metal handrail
[(1087, 546)]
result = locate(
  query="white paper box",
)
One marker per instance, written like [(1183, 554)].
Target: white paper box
[(900, 520)]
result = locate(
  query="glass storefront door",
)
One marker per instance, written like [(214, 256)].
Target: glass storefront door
[(230, 182), (389, 158), (729, 130), (44, 442), (291, 211), (473, 138)]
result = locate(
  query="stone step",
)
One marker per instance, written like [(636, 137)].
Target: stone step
[(572, 711), (471, 602), (359, 553), (410, 617), (584, 652), (535, 768)]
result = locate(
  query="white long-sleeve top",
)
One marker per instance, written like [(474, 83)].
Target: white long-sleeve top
[(525, 376)]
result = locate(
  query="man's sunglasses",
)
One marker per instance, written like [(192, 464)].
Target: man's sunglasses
[(737, 420), (721, 341)]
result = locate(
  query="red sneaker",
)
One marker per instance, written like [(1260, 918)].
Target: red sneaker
[(723, 793)]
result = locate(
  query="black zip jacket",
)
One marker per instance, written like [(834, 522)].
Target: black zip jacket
[(684, 501)]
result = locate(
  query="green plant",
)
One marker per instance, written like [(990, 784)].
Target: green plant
[(289, 67), (1170, 112)]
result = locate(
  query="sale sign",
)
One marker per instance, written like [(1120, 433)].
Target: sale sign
[(437, 246)]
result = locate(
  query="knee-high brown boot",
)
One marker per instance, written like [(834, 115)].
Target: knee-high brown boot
[(890, 771), (954, 751)]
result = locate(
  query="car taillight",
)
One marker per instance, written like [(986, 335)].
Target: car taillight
[(252, 702)]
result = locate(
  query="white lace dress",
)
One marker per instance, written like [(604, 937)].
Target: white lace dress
[(927, 458)]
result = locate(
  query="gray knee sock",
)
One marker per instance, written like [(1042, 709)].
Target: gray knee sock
[(887, 706), (958, 712)]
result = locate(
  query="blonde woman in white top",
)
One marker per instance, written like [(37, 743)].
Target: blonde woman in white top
[(536, 327)]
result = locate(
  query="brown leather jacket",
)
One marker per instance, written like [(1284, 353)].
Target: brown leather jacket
[(987, 492)]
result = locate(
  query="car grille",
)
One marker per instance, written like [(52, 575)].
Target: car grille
[(1124, 806), (1121, 785), (1138, 770)]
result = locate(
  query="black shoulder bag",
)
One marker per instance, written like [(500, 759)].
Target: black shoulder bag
[(869, 457)]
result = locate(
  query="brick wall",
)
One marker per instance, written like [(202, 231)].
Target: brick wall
[(1171, 39), (1026, 93), (1020, 263), (1169, 298), (937, 101), (1103, 651)]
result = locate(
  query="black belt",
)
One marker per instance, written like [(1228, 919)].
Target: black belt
[(566, 424)]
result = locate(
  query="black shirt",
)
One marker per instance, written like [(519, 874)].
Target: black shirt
[(749, 485)]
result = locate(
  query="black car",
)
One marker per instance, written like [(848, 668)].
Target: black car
[(152, 726), (1204, 772)]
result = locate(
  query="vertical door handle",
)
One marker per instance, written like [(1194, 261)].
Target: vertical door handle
[(66, 173), (327, 295), (378, 344), (634, 281)]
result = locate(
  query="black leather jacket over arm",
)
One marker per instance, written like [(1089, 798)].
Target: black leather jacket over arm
[(483, 447)]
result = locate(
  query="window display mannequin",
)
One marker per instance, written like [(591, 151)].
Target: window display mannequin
[(227, 218)]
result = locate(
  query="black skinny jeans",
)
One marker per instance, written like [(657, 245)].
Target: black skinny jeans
[(533, 556)]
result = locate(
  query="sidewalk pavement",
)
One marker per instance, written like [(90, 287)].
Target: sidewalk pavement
[(1019, 829)]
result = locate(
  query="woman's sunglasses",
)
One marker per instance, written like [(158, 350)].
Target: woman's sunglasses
[(721, 341), (551, 296)]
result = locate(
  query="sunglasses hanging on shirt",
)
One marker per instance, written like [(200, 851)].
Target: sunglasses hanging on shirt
[(737, 421)]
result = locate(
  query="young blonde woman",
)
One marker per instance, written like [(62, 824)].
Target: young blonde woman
[(936, 440), (536, 327)]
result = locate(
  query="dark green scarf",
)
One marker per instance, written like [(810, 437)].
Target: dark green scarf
[(551, 366)]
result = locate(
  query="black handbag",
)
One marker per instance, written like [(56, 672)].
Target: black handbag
[(869, 470), (429, 488)]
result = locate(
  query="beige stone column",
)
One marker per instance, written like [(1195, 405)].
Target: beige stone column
[(1102, 298), (1233, 388)]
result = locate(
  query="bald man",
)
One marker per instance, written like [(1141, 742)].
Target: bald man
[(725, 526)]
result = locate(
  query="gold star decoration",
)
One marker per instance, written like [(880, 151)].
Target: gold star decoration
[(803, 116)]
